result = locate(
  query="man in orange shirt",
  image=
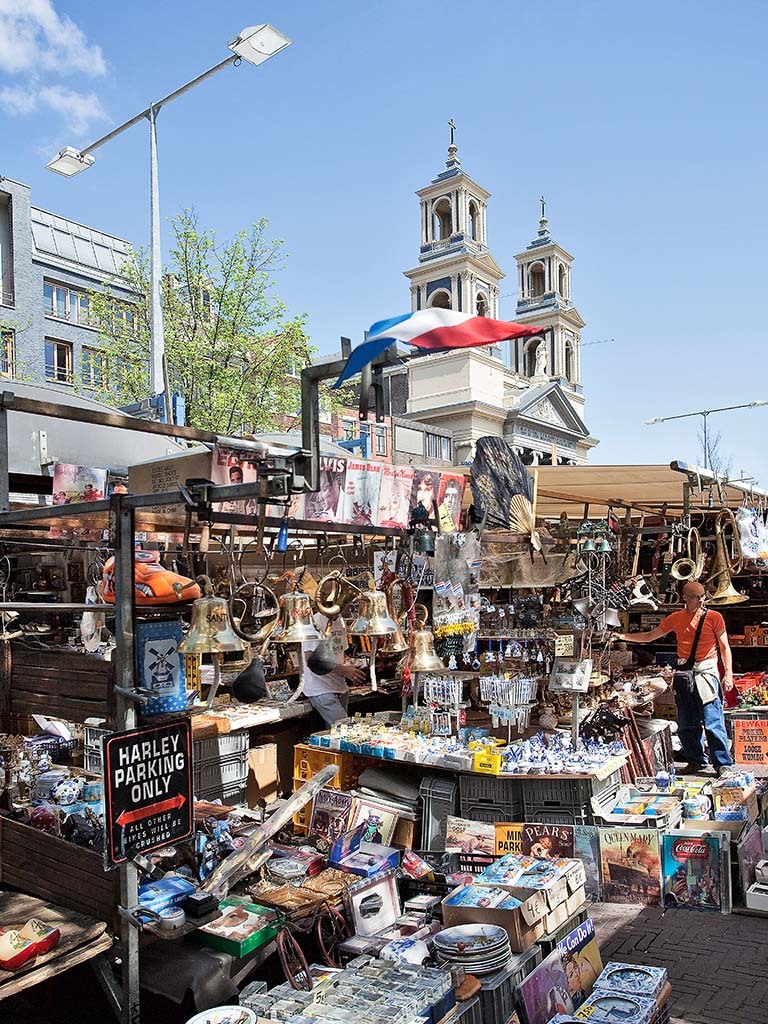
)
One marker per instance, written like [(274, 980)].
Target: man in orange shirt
[(702, 709)]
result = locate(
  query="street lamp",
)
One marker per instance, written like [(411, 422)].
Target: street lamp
[(255, 45), (705, 414)]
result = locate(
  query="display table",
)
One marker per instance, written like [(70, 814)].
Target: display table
[(82, 938)]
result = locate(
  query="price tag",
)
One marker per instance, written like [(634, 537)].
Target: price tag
[(564, 646)]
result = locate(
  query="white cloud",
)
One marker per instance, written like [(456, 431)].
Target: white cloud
[(33, 37), (79, 108), (17, 100)]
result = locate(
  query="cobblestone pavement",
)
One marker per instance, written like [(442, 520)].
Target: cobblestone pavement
[(717, 964)]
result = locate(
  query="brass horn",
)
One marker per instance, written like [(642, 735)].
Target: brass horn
[(692, 566), (334, 592), (255, 612), (725, 565)]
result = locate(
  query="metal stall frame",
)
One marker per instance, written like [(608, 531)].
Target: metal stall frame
[(124, 994)]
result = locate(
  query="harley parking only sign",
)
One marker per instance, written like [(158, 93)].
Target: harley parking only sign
[(147, 789)]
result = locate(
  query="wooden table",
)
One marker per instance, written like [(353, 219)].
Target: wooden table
[(82, 938)]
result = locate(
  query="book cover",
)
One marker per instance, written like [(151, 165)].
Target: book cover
[(424, 490), (395, 496), (482, 896), (331, 811), (631, 865), (379, 820), (582, 963), (73, 484), (696, 874), (451, 494), (586, 848), (327, 504), (548, 842), (509, 837), (544, 992), (361, 493), (465, 836), (750, 851)]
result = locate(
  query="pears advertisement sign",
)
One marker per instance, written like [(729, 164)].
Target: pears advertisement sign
[(148, 799)]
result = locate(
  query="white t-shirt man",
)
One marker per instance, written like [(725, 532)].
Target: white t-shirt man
[(329, 694)]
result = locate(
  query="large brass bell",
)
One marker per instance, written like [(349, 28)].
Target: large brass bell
[(296, 622), (422, 646), (395, 642), (211, 630), (374, 618)]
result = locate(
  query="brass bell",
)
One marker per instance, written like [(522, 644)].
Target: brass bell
[(395, 642), (211, 630), (422, 646), (374, 618), (296, 623)]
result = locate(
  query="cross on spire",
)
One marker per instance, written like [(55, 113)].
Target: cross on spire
[(543, 207), (452, 126)]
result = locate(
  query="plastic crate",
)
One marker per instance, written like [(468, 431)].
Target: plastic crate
[(548, 942), (308, 760), (497, 997), (216, 747), (92, 761), (92, 736), (301, 820), (470, 1012), (492, 812), (440, 797), (230, 771), (497, 796), (560, 815), (571, 798), (232, 796)]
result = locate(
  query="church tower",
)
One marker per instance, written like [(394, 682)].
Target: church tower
[(544, 297), (456, 269)]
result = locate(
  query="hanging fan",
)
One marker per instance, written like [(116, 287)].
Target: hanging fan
[(502, 489)]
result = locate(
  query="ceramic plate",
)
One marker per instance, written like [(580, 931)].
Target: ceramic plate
[(225, 1015)]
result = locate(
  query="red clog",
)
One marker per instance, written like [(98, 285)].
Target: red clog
[(15, 950), (42, 935)]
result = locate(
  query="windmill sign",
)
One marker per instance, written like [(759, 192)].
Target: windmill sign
[(147, 789)]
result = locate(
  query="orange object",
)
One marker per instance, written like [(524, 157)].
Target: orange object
[(153, 583)]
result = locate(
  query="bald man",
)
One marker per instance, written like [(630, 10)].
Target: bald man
[(702, 709)]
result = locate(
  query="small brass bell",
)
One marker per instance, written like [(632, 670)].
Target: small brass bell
[(422, 647), (296, 624), (374, 618), (211, 630), (395, 642)]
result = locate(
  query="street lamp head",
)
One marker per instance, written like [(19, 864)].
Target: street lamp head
[(656, 419), (258, 43), (754, 404), (70, 162)]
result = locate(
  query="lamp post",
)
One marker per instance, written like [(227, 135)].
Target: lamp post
[(705, 414), (255, 45)]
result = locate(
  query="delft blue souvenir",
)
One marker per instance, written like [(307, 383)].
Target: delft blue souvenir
[(633, 978), (160, 667), (604, 1007)]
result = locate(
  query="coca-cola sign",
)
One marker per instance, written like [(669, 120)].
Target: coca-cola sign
[(685, 849)]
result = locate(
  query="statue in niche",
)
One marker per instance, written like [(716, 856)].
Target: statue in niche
[(540, 368)]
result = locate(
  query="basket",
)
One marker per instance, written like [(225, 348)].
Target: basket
[(559, 815), (497, 997)]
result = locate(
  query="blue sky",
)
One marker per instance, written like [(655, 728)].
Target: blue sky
[(643, 125)]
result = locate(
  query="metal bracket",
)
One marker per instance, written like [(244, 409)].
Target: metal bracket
[(139, 694)]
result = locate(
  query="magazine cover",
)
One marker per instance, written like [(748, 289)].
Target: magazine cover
[(327, 504), (465, 836), (395, 496), (631, 865), (227, 468), (451, 494), (750, 851), (380, 821), (586, 848), (426, 484), (72, 484), (548, 842), (509, 837), (696, 870), (330, 814), (582, 963), (544, 992), (361, 502)]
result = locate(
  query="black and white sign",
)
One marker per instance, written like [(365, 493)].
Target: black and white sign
[(147, 789)]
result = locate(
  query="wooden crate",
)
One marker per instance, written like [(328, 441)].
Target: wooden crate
[(58, 684), (57, 871)]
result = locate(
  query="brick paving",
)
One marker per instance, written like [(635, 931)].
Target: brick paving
[(717, 964)]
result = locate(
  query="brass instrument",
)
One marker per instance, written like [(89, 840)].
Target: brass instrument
[(726, 565), (334, 592), (692, 566)]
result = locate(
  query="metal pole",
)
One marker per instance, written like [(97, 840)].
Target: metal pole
[(122, 535), (705, 417), (5, 462), (157, 348)]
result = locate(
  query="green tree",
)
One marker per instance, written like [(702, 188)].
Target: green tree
[(232, 350)]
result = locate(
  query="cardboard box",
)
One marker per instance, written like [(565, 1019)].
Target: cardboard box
[(523, 920), (263, 778), (166, 474), (761, 871), (349, 853), (242, 927), (726, 796), (708, 825), (757, 896)]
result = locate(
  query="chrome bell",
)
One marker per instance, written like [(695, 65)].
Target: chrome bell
[(610, 619), (583, 606), (211, 630), (296, 622), (374, 618)]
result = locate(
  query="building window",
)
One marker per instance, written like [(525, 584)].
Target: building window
[(473, 220), (58, 361), (537, 280), (442, 218), (324, 412), (445, 448), (438, 447), (381, 440), (349, 429), (7, 353), (65, 303), (93, 368)]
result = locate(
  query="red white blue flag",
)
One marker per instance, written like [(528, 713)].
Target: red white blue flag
[(432, 330)]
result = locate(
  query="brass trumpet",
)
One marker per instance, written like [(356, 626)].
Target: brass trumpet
[(690, 568), (726, 565)]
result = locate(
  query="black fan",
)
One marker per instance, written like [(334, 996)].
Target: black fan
[(502, 489)]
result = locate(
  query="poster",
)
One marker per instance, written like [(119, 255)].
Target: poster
[(749, 851), (228, 469), (451, 494), (548, 842), (545, 992), (72, 484), (147, 789), (586, 848), (582, 963), (750, 741), (425, 487), (631, 865), (327, 504), (465, 836), (160, 667), (395, 496), (380, 821), (696, 870), (570, 675), (330, 814), (509, 837), (361, 502)]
